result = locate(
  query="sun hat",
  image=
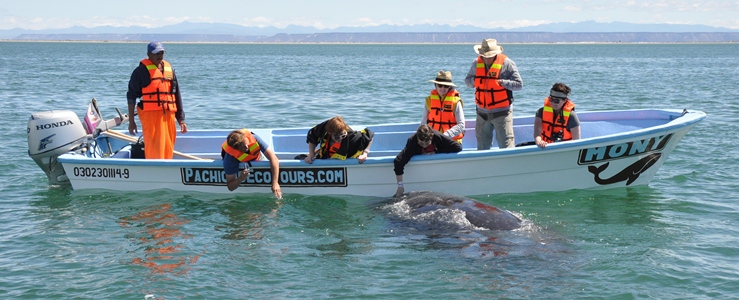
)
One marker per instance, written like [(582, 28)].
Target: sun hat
[(488, 48), (443, 78), (155, 47)]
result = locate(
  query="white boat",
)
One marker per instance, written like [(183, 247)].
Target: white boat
[(618, 148)]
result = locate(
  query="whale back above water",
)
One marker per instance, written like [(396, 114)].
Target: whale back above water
[(479, 214)]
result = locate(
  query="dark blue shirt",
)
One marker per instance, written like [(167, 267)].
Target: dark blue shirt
[(140, 79)]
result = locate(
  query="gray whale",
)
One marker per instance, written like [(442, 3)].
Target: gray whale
[(479, 214)]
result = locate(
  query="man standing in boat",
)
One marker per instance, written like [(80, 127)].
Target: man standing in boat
[(243, 146), (338, 141), (557, 120), (444, 109), (155, 82), (494, 77), (426, 141)]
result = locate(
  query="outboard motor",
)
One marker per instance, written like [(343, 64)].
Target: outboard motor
[(51, 134)]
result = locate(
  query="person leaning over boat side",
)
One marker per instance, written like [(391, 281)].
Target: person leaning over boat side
[(494, 77), (556, 120), (242, 145), (444, 109), (427, 141), (338, 141), (155, 82)]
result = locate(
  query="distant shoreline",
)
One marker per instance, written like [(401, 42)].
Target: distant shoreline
[(354, 43), (402, 38)]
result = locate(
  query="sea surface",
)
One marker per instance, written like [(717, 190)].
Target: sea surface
[(677, 238)]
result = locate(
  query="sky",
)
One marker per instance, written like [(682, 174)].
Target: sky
[(328, 14)]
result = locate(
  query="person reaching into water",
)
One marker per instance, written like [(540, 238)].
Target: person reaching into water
[(427, 141), (556, 121), (243, 146), (155, 82), (337, 140), (444, 109)]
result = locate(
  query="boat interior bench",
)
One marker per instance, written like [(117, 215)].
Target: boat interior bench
[(291, 144)]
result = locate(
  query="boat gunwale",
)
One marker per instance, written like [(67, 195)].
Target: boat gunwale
[(677, 121)]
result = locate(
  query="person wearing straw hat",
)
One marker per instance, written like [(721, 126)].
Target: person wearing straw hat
[(444, 109), (494, 77), (155, 82)]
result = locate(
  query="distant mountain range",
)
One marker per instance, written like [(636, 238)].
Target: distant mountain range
[(588, 31)]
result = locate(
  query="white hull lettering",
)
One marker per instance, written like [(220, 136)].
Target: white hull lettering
[(258, 177), (289, 177)]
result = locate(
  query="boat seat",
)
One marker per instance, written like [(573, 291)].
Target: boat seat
[(125, 152)]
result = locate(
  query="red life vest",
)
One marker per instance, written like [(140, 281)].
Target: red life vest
[(159, 94), (551, 126), (441, 112), (488, 93), (429, 149), (251, 144)]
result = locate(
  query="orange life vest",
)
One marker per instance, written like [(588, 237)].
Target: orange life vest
[(552, 127), (332, 149), (441, 112), (251, 144), (340, 150), (488, 93), (159, 94)]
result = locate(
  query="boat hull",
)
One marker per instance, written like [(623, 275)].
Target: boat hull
[(620, 159)]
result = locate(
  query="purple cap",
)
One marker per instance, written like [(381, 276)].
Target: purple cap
[(155, 47)]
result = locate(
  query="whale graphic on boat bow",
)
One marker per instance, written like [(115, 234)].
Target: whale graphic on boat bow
[(477, 213), (630, 173)]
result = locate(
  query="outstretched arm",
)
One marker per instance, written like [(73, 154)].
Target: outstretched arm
[(274, 165), (399, 192)]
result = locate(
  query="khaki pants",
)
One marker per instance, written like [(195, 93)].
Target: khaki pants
[(501, 123)]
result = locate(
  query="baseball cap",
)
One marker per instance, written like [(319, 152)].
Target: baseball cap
[(155, 47)]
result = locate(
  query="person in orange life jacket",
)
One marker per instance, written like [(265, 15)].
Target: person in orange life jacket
[(444, 109), (426, 141), (337, 140), (557, 120), (494, 77), (155, 82), (243, 146)]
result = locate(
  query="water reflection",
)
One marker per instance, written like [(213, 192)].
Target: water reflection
[(159, 232)]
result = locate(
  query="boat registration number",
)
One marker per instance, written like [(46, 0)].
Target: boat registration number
[(93, 172)]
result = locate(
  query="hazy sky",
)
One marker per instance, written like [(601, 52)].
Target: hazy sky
[(326, 14)]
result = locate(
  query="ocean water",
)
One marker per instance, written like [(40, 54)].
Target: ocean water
[(674, 239)]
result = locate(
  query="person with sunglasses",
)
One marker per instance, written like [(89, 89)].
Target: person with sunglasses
[(426, 141), (334, 139), (444, 109), (557, 120)]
